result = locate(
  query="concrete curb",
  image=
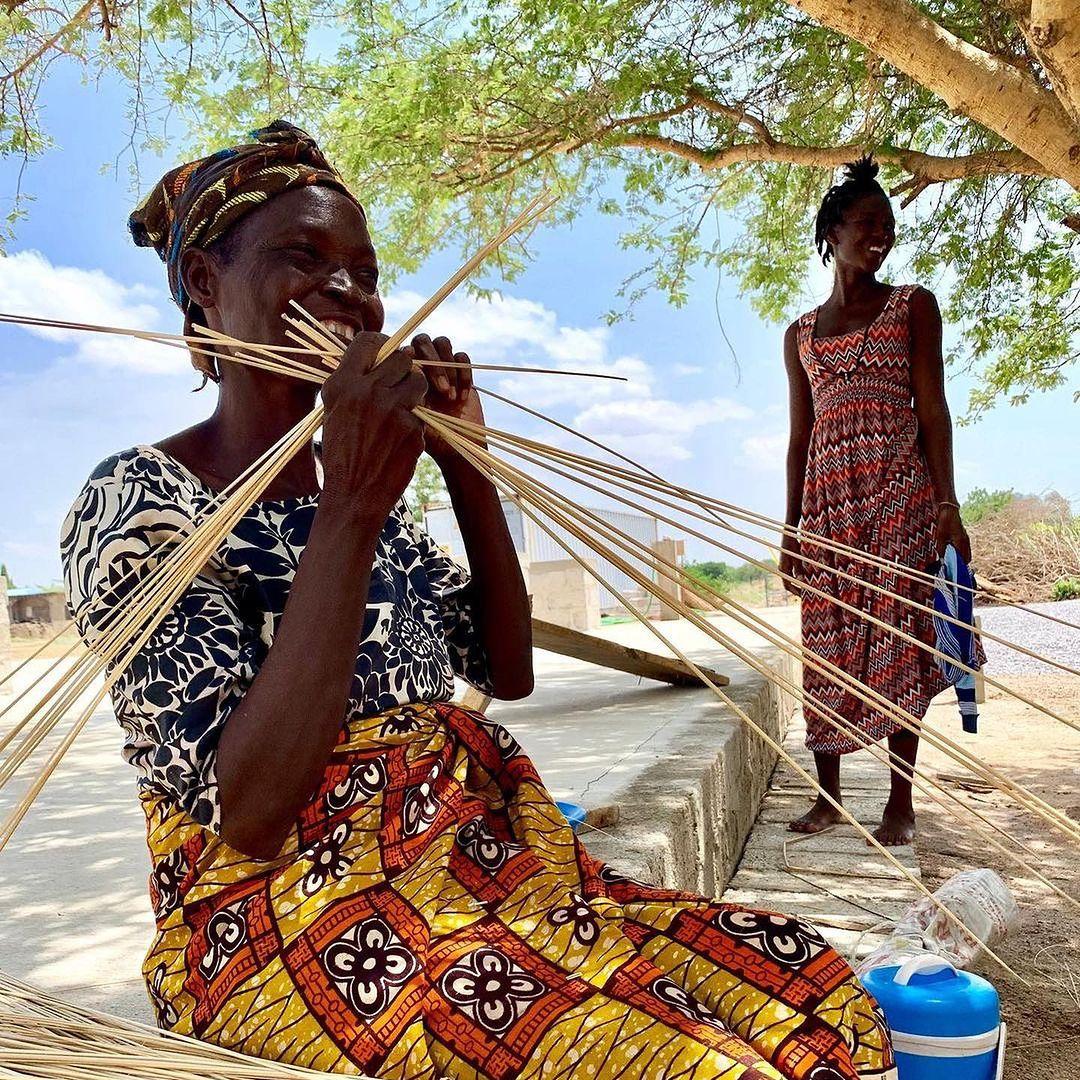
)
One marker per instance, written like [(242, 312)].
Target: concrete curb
[(684, 821)]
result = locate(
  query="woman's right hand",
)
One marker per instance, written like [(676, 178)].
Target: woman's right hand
[(371, 437), (790, 562)]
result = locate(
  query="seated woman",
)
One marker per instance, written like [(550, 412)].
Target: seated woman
[(349, 872)]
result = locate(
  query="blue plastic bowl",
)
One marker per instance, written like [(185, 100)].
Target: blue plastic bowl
[(574, 814)]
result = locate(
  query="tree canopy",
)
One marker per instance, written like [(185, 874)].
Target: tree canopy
[(678, 118), (426, 487)]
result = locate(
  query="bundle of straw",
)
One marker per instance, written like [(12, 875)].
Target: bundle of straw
[(46, 1038)]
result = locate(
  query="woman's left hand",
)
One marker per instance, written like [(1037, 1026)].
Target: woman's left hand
[(950, 530), (450, 391)]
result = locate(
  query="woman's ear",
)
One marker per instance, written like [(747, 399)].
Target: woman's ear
[(199, 273)]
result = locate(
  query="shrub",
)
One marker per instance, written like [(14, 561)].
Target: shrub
[(1066, 588), (1022, 547)]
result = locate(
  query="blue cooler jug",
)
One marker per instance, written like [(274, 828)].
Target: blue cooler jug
[(946, 1024)]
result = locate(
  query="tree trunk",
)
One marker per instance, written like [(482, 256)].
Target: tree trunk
[(970, 81), (1054, 34)]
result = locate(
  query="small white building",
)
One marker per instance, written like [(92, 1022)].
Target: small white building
[(551, 570)]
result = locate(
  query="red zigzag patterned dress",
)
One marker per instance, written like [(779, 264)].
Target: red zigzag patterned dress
[(868, 487)]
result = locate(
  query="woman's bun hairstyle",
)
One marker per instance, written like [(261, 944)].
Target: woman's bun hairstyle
[(859, 179)]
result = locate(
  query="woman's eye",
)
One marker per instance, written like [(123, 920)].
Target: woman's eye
[(303, 256)]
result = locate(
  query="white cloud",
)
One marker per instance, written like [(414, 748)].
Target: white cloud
[(659, 415), (519, 332), (31, 285), (580, 346), (648, 447), (656, 429), (487, 328), (624, 415), (767, 453)]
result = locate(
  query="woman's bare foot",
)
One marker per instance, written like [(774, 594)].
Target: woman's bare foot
[(897, 826), (818, 818)]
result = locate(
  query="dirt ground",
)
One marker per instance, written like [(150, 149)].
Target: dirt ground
[(23, 648), (1044, 755)]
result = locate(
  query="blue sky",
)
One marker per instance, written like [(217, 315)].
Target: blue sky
[(70, 401)]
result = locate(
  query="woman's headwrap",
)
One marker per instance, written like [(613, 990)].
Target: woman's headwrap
[(195, 204)]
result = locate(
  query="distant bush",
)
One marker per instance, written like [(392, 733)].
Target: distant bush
[(1066, 588), (1025, 547), (722, 577), (981, 502)]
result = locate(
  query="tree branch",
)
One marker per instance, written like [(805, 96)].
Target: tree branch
[(925, 168), (46, 45), (738, 115), (971, 81)]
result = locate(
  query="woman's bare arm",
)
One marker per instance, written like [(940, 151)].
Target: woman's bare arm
[(801, 412), (275, 744), (500, 603), (935, 421)]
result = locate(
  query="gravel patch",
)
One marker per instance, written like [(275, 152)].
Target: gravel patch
[(1062, 643)]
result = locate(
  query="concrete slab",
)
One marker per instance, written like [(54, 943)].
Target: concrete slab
[(871, 892), (818, 907)]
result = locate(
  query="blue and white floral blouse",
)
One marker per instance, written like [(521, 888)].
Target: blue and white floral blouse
[(177, 694)]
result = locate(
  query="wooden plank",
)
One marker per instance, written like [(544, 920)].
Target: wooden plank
[(475, 700), (610, 654)]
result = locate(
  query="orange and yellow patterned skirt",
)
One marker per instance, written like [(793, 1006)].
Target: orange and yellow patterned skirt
[(432, 915)]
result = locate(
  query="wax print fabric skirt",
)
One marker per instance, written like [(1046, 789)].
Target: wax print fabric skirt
[(432, 915)]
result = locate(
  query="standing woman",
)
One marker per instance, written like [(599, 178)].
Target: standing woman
[(869, 466)]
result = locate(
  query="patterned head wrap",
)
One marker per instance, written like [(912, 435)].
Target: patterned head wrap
[(195, 204)]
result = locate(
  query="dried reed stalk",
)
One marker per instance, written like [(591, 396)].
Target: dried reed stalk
[(531, 502), (774, 525), (923, 782), (328, 347), (829, 670), (848, 682), (597, 468), (583, 464), (45, 1037), (319, 341)]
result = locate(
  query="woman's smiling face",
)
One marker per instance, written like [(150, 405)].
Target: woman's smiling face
[(866, 235), (310, 245)]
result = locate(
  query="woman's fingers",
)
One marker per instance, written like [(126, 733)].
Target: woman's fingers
[(395, 368), (459, 378), (448, 372), (440, 378), (464, 373)]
